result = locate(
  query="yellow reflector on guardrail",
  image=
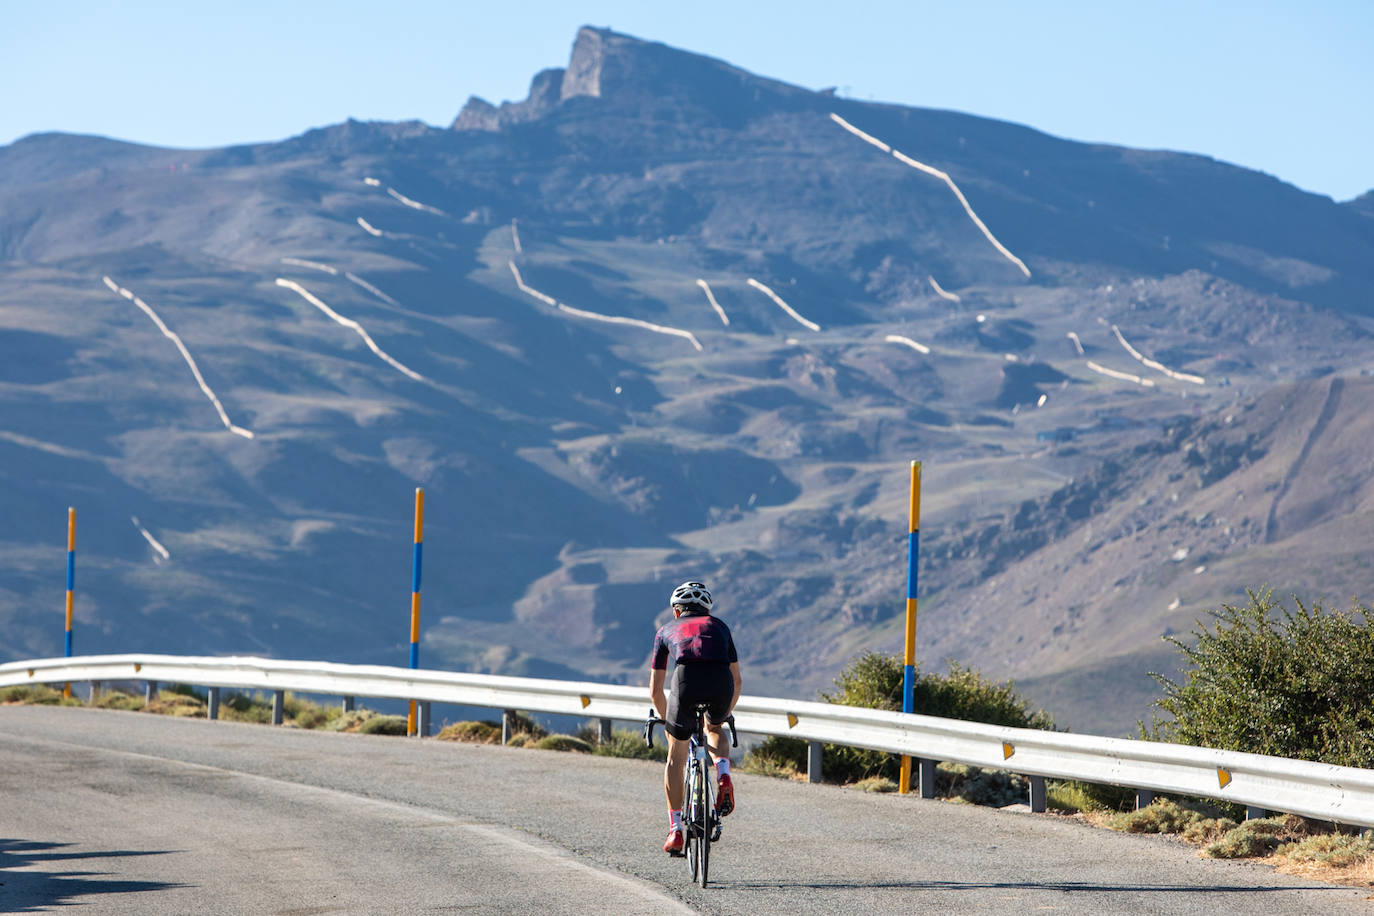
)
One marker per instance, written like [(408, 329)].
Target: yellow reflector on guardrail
[(1007, 751), (791, 720), (1223, 777), (586, 700)]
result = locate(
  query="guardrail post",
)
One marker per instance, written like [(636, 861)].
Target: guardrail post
[(603, 731), (149, 692), (347, 704), (507, 722), (95, 692), (813, 761), (927, 777), (213, 711), (1143, 798), (1253, 813), (278, 700), (1039, 796), (423, 730)]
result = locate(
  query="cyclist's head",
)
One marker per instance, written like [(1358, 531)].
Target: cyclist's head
[(691, 598)]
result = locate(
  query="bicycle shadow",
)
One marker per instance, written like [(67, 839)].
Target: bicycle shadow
[(37, 890)]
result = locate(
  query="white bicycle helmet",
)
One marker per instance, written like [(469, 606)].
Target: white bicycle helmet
[(692, 593)]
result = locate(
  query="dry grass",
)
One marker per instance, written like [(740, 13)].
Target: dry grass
[(471, 732)]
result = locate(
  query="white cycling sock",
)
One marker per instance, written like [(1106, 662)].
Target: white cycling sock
[(675, 820), (723, 767)]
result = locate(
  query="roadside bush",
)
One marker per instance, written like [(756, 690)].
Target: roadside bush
[(1267, 680), (383, 725), (563, 743), (118, 699), (874, 681), (778, 756), (1257, 838), (37, 695), (994, 788), (625, 743), (177, 704), (522, 724), (1165, 815), (472, 732), (1335, 850)]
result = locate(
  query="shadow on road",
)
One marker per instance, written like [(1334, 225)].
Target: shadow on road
[(1065, 886), (31, 891)]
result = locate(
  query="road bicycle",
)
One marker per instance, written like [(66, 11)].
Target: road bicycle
[(700, 822)]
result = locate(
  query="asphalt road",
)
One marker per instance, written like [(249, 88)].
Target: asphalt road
[(131, 813)]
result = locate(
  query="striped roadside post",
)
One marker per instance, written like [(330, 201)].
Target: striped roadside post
[(415, 598), (71, 584), (913, 552)]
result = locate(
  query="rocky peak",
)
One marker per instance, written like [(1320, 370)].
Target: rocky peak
[(633, 74)]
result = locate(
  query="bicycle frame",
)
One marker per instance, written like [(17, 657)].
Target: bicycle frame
[(700, 823)]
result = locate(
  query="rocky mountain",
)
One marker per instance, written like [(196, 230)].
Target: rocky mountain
[(666, 318)]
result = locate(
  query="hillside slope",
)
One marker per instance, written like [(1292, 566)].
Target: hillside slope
[(667, 318)]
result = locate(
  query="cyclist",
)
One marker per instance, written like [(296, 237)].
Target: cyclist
[(707, 671)]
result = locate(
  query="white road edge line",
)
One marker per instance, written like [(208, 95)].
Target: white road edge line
[(541, 848), (348, 323), (783, 305), (185, 354), (711, 298), (594, 316), (1152, 364), (907, 342), (931, 170), (157, 545)]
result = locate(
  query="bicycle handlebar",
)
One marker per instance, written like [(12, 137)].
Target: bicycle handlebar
[(655, 720)]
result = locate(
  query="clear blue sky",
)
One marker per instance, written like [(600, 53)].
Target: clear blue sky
[(1283, 86)]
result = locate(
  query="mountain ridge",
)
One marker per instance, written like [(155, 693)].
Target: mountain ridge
[(576, 466)]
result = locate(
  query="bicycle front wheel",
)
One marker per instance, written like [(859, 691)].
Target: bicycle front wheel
[(706, 816)]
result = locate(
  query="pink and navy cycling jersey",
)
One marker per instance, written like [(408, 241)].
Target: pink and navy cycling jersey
[(693, 638)]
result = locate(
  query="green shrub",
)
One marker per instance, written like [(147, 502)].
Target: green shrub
[(384, 725), (177, 704), (314, 716), (118, 699), (625, 743), (472, 732), (36, 695), (1074, 796), (874, 681), (1267, 680), (563, 743), (242, 707), (995, 788), (876, 784), (522, 724), (778, 756), (1195, 823), (1256, 838), (1336, 850), (519, 740)]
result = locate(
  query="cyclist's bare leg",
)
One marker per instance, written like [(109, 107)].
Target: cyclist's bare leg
[(672, 772), (716, 743)]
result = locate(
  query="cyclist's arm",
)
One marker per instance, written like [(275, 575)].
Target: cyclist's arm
[(656, 695), (734, 673)]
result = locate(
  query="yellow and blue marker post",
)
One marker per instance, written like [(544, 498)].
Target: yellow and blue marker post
[(415, 597), (913, 553), (71, 584)]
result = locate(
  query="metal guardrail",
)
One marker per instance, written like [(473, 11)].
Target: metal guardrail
[(1324, 791)]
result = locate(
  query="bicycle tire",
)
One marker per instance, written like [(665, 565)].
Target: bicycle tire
[(689, 820), (704, 807)]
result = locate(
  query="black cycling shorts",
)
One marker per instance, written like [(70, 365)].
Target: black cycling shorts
[(707, 683)]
